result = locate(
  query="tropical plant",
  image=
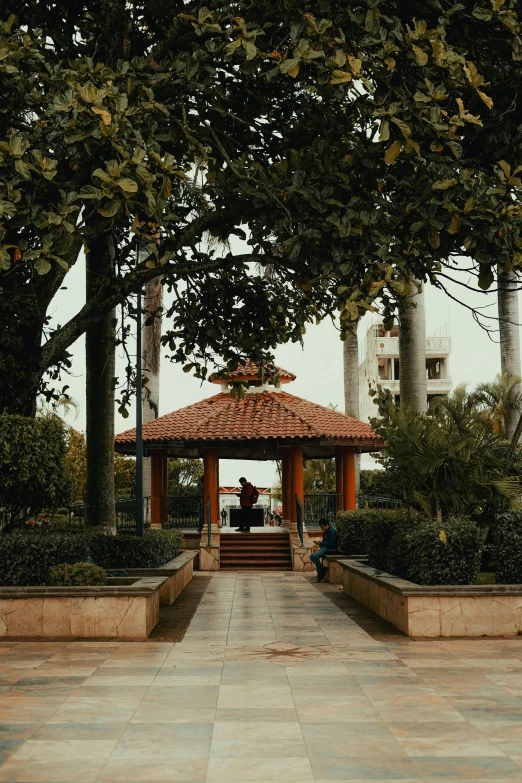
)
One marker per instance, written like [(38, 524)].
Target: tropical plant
[(448, 461), (502, 401)]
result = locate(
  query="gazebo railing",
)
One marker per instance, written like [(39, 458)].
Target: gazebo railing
[(321, 506), (377, 501), (184, 512), (299, 517)]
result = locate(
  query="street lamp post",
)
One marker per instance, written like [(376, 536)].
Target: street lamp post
[(139, 419)]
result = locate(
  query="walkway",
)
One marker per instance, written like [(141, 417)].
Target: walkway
[(272, 682)]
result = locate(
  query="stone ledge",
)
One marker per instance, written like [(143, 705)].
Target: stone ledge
[(434, 611), (406, 588), (178, 573), (144, 586)]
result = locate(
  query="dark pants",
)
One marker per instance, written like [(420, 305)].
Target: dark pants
[(246, 514)]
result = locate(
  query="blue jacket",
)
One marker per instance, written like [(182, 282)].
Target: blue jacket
[(331, 540)]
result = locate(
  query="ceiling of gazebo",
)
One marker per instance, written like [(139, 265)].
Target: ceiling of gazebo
[(252, 428)]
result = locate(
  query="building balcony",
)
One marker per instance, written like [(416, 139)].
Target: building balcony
[(435, 385), (389, 346)]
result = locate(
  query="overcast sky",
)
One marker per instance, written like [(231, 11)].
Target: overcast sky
[(318, 365)]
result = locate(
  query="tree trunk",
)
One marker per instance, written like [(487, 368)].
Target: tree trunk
[(100, 514), (151, 354), (412, 352), (509, 337), (351, 388)]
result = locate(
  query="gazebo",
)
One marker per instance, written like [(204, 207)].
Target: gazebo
[(269, 423)]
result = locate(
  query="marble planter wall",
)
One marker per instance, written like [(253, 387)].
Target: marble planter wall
[(301, 558), (122, 612), (439, 611), (177, 572)]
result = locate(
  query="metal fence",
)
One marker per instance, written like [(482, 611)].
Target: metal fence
[(320, 506), (180, 511), (376, 501)]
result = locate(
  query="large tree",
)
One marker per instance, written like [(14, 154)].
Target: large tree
[(260, 118)]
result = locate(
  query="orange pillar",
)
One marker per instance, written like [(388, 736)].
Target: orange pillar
[(297, 482), (158, 488), (286, 483), (211, 485), (349, 478), (339, 477)]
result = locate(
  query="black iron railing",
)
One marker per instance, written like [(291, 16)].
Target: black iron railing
[(376, 501), (299, 517), (321, 506), (184, 512)]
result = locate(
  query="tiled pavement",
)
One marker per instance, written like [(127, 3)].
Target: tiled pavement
[(272, 682)]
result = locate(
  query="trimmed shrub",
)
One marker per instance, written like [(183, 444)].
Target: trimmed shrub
[(370, 531), (349, 525), (126, 550), (26, 559), (508, 549), (77, 574), (443, 553)]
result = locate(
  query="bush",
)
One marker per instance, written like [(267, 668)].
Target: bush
[(26, 559), (78, 574), (369, 531), (350, 526), (125, 550), (508, 551), (443, 553)]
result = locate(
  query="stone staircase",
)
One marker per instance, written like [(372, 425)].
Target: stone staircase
[(267, 551)]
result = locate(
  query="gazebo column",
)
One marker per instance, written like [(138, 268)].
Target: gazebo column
[(350, 499), (159, 488), (297, 483), (209, 553), (286, 483), (339, 477)]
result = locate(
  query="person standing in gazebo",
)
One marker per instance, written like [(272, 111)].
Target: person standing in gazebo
[(247, 500)]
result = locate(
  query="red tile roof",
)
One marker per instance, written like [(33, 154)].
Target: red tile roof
[(267, 414), (250, 371)]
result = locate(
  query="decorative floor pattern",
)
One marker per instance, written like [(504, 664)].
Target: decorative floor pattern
[(272, 682)]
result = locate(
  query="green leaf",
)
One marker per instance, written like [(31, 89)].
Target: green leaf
[(392, 152), (7, 208), (251, 49), (340, 77), (444, 184), (42, 266), (128, 185), (289, 65), (384, 133), (23, 168), (231, 47), (111, 209), (371, 22), (486, 277), (404, 127), (420, 55)]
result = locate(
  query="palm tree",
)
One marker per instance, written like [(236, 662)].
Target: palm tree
[(412, 351), (151, 354), (501, 400), (351, 387), (509, 339)]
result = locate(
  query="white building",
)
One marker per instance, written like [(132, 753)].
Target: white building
[(381, 364)]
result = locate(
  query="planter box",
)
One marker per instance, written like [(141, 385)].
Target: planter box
[(177, 572), (112, 611), (435, 611), (335, 571), (125, 608)]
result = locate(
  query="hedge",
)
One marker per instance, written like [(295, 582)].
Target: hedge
[(423, 551), (508, 547), (443, 553), (125, 550), (26, 559)]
